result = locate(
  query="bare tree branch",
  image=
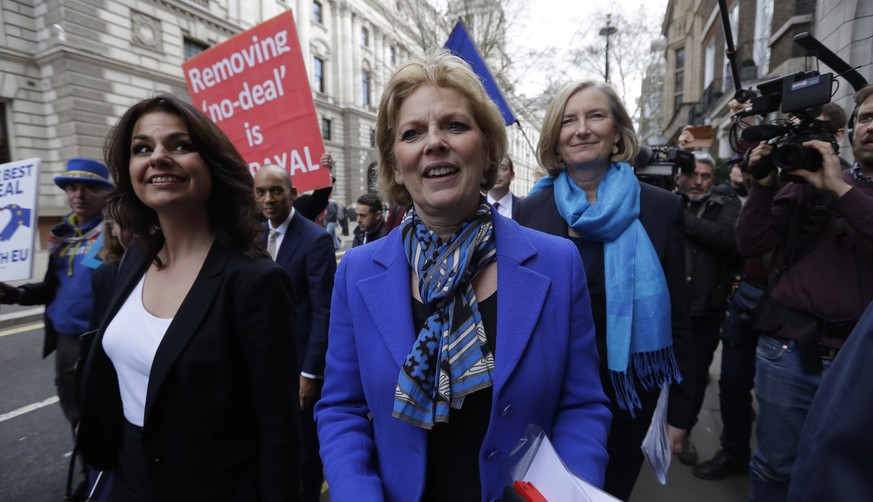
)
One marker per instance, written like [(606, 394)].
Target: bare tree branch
[(630, 56)]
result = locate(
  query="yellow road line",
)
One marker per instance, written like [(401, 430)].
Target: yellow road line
[(22, 329)]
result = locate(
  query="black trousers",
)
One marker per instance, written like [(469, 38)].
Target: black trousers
[(623, 445), (312, 475), (735, 395), (706, 330), (130, 481)]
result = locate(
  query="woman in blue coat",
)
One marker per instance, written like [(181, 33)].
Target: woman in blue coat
[(452, 334)]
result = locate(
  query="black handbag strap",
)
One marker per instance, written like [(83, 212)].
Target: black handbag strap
[(72, 469)]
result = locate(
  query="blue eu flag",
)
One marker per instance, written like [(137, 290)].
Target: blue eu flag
[(20, 217), (462, 45)]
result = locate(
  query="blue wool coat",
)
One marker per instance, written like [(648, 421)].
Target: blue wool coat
[(546, 368)]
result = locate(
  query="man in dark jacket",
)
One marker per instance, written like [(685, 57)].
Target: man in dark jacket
[(822, 235), (371, 226), (311, 205), (710, 217), (306, 252)]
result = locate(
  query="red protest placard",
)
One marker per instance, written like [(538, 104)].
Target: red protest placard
[(255, 88)]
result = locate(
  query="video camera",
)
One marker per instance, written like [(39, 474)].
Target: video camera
[(802, 95), (659, 165)]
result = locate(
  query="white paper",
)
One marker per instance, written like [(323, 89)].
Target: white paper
[(557, 484), (656, 444)]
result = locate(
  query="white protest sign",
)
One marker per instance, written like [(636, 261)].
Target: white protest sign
[(19, 185)]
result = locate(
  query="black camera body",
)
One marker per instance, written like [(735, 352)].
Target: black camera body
[(801, 94), (790, 154), (659, 165), (787, 138)]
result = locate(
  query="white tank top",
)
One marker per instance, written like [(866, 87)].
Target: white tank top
[(131, 341)]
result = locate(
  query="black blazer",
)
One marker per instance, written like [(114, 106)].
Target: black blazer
[(662, 216), (516, 207), (307, 254), (221, 418)]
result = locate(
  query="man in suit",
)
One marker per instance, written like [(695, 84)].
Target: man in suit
[(306, 252), (504, 201)]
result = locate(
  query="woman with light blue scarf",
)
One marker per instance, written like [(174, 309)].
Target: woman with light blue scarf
[(630, 236)]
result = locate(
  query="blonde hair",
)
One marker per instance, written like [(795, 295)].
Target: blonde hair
[(628, 144), (438, 68)]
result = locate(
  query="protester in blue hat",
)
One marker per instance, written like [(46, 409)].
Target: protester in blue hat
[(66, 289)]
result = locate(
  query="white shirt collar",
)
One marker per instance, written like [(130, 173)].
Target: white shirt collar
[(283, 227), (505, 208)]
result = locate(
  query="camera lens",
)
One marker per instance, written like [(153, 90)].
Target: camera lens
[(789, 157), (793, 156)]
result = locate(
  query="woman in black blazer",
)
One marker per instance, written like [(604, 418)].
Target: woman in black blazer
[(630, 236), (190, 389)]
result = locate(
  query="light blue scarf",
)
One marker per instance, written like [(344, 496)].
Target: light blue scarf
[(638, 328)]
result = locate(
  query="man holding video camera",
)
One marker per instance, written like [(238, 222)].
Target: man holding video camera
[(819, 233)]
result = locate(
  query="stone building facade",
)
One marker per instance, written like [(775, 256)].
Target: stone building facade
[(69, 68), (698, 84)]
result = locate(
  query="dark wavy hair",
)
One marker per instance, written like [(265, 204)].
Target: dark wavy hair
[(232, 208)]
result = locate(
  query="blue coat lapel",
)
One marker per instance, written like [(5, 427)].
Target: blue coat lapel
[(521, 293), (387, 295)]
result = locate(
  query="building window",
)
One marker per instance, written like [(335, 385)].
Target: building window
[(5, 156), (679, 92), (761, 47), (317, 13), (193, 47), (393, 53), (365, 87), (326, 129), (318, 73), (365, 37)]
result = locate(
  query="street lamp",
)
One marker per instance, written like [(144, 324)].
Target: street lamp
[(606, 32)]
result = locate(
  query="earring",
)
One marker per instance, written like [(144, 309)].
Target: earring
[(615, 148)]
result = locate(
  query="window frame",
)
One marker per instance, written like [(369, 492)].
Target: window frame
[(318, 77), (366, 87), (187, 43), (317, 12), (326, 129)]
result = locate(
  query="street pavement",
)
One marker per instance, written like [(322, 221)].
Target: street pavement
[(681, 485), (35, 440)]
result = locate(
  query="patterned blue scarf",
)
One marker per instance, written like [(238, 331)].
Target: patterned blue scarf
[(451, 357), (638, 327)]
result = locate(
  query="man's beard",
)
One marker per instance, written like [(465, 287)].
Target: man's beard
[(697, 197), (864, 157)]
